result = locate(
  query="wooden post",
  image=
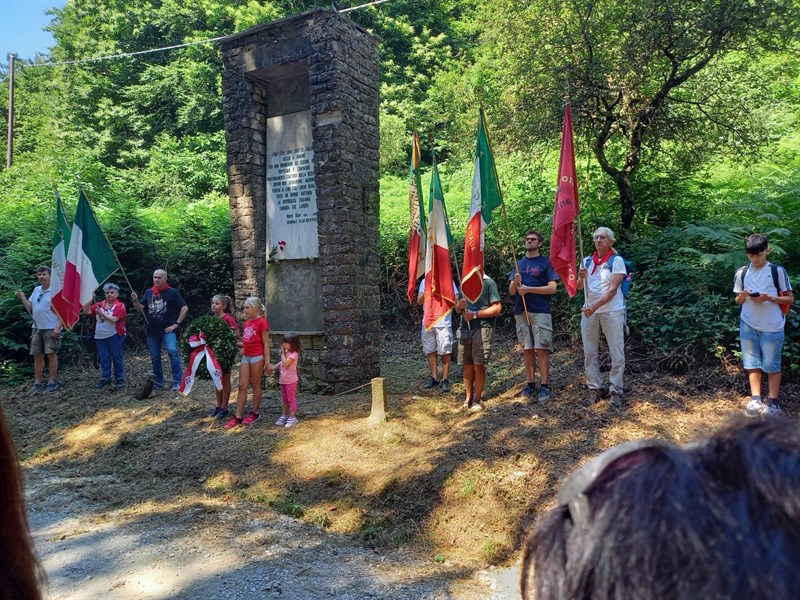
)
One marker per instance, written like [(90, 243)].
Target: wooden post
[(378, 414)]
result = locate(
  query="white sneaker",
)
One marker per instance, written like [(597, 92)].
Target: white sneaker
[(754, 407), (771, 409), (281, 420), (291, 422)]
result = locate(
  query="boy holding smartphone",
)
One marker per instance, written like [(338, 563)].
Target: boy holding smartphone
[(761, 290)]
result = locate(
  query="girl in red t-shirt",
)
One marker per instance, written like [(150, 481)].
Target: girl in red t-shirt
[(255, 351), (221, 307)]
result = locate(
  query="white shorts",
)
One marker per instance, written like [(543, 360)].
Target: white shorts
[(438, 339)]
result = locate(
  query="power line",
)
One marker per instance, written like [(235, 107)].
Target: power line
[(124, 55), (176, 46), (345, 10)]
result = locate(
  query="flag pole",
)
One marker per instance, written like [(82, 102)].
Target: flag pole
[(583, 259), (508, 225), (580, 237), (14, 283), (452, 246), (453, 250), (114, 252)]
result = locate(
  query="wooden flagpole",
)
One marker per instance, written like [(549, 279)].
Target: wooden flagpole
[(14, 284), (114, 252), (508, 229)]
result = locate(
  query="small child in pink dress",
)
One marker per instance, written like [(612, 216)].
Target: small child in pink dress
[(290, 354)]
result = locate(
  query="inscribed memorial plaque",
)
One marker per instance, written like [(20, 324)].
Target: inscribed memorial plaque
[(291, 190)]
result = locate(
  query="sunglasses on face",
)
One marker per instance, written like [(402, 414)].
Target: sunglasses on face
[(575, 491)]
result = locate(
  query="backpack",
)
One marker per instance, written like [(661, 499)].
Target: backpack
[(774, 270), (627, 281)]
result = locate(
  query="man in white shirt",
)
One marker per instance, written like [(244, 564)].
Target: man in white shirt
[(601, 275), (45, 334), (761, 290)]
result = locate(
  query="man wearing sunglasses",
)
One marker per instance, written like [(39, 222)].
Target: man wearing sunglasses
[(762, 289), (45, 334), (533, 283)]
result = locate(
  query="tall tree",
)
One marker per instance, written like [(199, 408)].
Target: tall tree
[(642, 75)]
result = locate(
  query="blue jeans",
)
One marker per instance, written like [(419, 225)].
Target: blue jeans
[(110, 351), (170, 341)]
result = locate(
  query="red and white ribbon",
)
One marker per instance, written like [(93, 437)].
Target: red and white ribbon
[(201, 350)]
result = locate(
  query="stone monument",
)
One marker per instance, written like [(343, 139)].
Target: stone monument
[(300, 99)]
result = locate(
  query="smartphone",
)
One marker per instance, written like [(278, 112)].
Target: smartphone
[(755, 294)]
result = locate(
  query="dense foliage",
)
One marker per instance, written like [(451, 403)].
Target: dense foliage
[(691, 109)]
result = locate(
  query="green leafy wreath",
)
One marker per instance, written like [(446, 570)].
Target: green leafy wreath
[(219, 336)]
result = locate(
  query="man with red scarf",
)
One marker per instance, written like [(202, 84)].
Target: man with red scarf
[(165, 310), (601, 275)]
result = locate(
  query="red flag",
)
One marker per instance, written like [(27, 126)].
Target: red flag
[(416, 238), (439, 294), (485, 198), (562, 246)]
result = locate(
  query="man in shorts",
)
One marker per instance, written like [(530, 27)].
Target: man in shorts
[(761, 289), (437, 341), (45, 334), (475, 340), (532, 283)]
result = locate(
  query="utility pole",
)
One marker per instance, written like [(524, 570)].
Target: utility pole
[(10, 138)]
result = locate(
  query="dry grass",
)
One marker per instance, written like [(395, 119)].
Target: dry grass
[(452, 484)]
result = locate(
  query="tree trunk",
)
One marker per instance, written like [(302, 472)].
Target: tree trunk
[(621, 176), (625, 199)]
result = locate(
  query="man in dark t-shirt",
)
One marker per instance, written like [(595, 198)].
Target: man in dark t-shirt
[(165, 310), (535, 280)]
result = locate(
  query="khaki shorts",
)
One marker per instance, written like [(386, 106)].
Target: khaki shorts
[(474, 346), (542, 326), (42, 342)]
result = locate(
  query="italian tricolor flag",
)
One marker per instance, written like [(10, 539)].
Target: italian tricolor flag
[(90, 260), (59, 304), (439, 293), (485, 198)]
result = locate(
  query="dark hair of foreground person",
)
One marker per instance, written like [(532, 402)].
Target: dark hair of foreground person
[(20, 573), (715, 519)]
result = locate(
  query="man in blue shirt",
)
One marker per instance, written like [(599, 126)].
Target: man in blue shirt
[(532, 283), (165, 310)]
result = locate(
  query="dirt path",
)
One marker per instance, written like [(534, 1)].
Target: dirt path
[(231, 552), (150, 499)]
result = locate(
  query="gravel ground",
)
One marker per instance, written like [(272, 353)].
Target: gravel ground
[(231, 552)]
